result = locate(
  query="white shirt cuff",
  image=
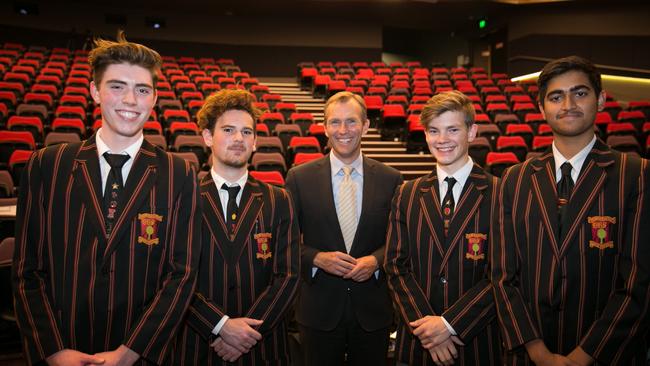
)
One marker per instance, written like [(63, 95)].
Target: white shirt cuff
[(313, 271), (451, 330), (217, 328)]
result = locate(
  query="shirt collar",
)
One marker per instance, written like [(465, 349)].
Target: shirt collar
[(219, 180), (576, 161), (337, 164), (460, 175), (131, 150)]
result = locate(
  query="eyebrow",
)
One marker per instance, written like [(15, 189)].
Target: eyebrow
[(572, 89), (115, 81)]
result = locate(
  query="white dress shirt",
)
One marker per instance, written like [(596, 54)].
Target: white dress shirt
[(105, 168), (576, 161), (356, 176)]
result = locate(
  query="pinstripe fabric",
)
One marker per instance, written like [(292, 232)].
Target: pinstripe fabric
[(76, 288), (322, 297), (429, 274), (236, 280), (566, 290)]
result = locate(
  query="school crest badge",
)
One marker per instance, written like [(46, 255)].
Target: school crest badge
[(475, 246), (601, 231), (149, 228), (263, 250)]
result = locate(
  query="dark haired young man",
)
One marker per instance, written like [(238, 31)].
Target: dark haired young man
[(106, 232), (571, 262)]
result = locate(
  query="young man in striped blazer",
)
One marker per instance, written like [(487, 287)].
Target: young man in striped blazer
[(437, 248), (570, 265), (107, 230), (250, 259)]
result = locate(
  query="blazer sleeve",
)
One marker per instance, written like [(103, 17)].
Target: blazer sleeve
[(160, 320), (407, 294), (625, 317), (473, 311), (37, 320), (273, 302), (307, 253), (517, 326), (203, 314)]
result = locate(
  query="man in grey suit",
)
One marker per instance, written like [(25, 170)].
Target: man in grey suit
[(342, 202)]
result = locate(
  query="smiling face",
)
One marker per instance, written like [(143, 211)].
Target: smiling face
[(126, 96), (232, 141), (571, 104), (448, 138), (344, 126)]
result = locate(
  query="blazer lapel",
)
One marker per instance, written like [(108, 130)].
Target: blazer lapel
[(543, 183), (141, 178), (469, 202), (590, 182), (430, 203), (87, 181), (213, 215), (249, 209)]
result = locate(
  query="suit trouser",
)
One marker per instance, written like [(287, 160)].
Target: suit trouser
[(329, 348)]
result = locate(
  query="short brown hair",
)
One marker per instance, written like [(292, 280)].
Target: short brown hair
[(344, 96), (451, 101), (110, 53), (223, 101)]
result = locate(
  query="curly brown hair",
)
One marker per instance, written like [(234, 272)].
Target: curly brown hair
[(225, 100), (110, 53)]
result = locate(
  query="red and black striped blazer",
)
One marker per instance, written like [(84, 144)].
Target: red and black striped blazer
[(430, 274), (588, 288), (239, 277), (77, 289)]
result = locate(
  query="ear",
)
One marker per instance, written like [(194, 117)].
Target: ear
[(366, 125), (94, 92), (207, 137), (540, 105), (602, 97), (471, 134)]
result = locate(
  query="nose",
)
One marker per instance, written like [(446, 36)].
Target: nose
[(568, 103), (343, 128), (238, 136), (129, 97)]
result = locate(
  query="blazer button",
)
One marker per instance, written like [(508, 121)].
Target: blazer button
[(443, 280)]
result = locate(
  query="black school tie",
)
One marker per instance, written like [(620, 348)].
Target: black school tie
[(448, 203), (231, 208), (564, 188), (114, 184)]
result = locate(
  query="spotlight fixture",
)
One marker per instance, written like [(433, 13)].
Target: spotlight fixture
[(25, 8), (155, 23)]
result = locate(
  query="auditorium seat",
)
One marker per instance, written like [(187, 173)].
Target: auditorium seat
[(34, 125), (268, 144), (478, 150), (194, 144), (6, 184), (643, 106), (286, 109), (286, 132), (393, 122), (17, 162), (544, 129), (317, 130), (270, 177), (504, 119), (187, 156), (541, 143), (14, 140), (491, 132), (636, 118), (415, 139), (271, 119), (520, 129), (302, 158), (269, 162), (297, 144), (497, 162), (514, 144), (613, 108), (624, 143), (621, 128), (74, 125), (54, 138), (181, 128), (262, 130), (304, 120)]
